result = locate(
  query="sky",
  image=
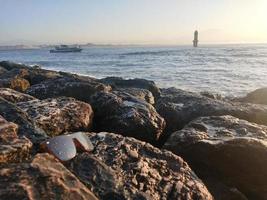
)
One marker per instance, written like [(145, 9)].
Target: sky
[(170, 22)]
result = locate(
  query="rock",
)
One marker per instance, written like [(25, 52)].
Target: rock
[(215, 96), (118, 82), (67, 86), (179, 107), (10, 65), (33, 74), (125, 168), (142, 94), (258, 96), (126, 115), (14, 96), (18, 84), (15, 79), (12, 148), (60, 115), (43, 178), (26, 126), (2, 70), (227, 149)]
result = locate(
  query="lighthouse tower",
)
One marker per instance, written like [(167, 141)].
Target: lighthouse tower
[(195, 41)]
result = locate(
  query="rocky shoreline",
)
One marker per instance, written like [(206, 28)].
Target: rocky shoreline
[(149, 142)]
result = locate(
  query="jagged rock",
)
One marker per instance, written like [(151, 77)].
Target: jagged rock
[(33, 74), (12, 148), (124, 114), (44, 178), (27, 126), (15, 83), (125, 168), (118, 82), (142, 94), (179, 107), (258, 96), (59, 115), (14, 96), (67, 86), (14, 79), (231, 151)]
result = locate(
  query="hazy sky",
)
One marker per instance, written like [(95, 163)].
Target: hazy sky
[(132, 21)]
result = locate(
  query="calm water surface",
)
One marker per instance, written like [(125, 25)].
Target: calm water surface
[(226, 69)]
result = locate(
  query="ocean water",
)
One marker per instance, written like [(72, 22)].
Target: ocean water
[(231, 70)]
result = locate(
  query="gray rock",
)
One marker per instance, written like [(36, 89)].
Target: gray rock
[(59, 115), (258, 96), (179, 107), (125, 168), (142, 94), (67, 86), (2, 70), (225, 150), (118, 82), (126, 115)]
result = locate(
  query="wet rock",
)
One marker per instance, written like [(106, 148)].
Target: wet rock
[(56, 116), (179, 107), (227, 149), (118, 82), (125, 168), (43, 178), (26, 126), (12, 148), (15, 83), (142, 94), (14, 96), (124, 114), (258, 96), (67, 86)]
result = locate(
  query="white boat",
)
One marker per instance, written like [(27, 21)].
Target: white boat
[(65, 49)]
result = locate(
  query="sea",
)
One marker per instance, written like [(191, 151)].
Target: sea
[(230, 70)]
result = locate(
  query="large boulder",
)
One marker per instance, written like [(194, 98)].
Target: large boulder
[(43, 178), (142, 94), (117, 82), (11, 65), (179, 107), (26, 126), (126, 115), (34, 74), (12, 148), (67, 86), (14, 96), (125, 168), (59, 115), (258, 96), (225, 151)]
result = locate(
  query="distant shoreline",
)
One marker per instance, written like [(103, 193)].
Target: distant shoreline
[(32, 47)]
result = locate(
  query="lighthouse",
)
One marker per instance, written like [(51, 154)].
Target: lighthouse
[(195, 41)]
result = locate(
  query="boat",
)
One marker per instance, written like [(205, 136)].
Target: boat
[(65, 49)]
